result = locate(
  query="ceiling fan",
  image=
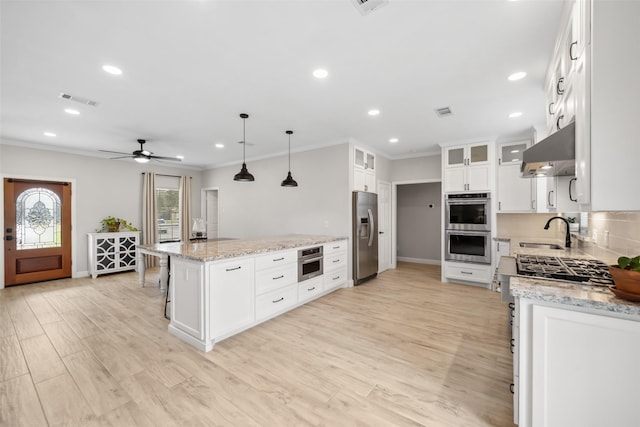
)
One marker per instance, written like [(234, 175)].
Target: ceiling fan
[(141, 155)]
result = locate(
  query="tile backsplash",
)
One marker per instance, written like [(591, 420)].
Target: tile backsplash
[(612, 234)]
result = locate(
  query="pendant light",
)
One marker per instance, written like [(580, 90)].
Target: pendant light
[(244, 174), (289, 181)]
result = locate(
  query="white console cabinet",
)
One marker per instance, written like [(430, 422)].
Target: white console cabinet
[(112, 252)]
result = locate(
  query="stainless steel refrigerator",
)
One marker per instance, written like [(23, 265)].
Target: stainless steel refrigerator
[(365, 236)]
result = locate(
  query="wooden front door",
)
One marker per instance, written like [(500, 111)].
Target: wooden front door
[(37, 231)]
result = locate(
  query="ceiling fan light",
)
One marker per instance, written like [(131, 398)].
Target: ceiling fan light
[(141, 159)]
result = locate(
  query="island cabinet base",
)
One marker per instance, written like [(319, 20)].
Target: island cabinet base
[(213, 300), (577, 366)]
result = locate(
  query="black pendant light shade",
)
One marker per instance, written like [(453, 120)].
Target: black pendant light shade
[(289, 181), (244, 174)]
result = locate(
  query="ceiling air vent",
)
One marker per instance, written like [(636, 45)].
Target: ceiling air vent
[(368, 6), (444, 112), (79, 99)]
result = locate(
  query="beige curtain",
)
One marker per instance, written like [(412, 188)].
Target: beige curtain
[(185, 208), (149, 215)]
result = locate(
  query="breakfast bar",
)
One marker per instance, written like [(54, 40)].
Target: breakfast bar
[(220, 288)]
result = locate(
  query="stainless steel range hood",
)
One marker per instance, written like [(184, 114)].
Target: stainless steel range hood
[(554, 156)]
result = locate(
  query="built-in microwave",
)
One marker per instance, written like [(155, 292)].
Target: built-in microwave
[(469, 211), (468, 246), (310, 263)]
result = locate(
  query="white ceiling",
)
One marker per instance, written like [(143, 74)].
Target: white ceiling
[(191, 67)]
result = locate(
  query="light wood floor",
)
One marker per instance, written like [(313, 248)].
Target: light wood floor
[(403, 349)]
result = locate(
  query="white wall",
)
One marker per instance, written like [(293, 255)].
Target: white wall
[(102, 187), (319, 205), (417, 168), (419, 226)]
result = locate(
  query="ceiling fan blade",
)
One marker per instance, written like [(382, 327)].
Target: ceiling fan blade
[(172, 159), (115, 152), (120, 157)]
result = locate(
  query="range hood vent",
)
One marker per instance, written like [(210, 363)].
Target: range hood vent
[(553, 156)]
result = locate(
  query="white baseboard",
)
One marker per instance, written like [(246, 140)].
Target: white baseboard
[(420, 260)]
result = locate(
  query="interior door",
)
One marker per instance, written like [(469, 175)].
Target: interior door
[(37, 224), (384, 226)]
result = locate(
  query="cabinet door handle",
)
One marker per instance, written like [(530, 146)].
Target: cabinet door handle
[(235, 268), (560, 117), (466, 272), (511, 386), (513, 345), (573, 58), (499, 205), (278, 300), (571, 181), (533, 205), (279, 277), (278, 259), (551, 108), (549, 198), (311, 289), (560, 90)]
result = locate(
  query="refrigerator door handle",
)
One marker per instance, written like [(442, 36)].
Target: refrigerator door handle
[(371, 227)]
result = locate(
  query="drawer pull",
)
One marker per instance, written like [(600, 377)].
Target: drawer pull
[(311, 289), (278, 259), (278, 300), (335, 260), (279, 277), (336, 247), (336, 278), (466, 272), (235, 268)]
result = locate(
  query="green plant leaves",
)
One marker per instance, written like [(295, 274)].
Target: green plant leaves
[(629, 263)]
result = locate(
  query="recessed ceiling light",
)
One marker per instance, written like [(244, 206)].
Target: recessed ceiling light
[(373, 112), (320, 73), (515, 115), (181, 157), (112, 70), (219, 145), (71, 111), (393, 140), (51, 134), (517, 76), (515, 151)]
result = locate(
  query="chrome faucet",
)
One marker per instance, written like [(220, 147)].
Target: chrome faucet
[(567, 240)]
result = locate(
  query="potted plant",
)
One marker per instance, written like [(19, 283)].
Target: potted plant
[(112, 224), (573, 225), (626, 275)]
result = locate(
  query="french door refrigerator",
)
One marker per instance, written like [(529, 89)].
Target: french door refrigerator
[(365, 236)]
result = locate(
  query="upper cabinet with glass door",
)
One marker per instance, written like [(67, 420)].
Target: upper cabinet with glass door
[(466, 167), (364, 170)]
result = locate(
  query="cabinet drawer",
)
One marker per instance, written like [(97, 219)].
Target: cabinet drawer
[(469, 272), (309, 289), (334, 247), (334, 279), (267, 280), (275, 259), (276, 301), (334, 262)]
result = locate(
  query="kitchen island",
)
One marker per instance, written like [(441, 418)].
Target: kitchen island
[(220, 288), (576, 351)]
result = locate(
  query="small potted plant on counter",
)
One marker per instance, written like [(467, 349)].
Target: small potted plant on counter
[(112, 224), (573, 225), (626, 276)]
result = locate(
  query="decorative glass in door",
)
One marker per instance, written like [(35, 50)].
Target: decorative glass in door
[(38, 219)]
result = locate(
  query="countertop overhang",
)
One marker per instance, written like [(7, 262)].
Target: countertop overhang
[(222, 249)]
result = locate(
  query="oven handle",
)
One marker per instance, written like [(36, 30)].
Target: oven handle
[(309, 260), (371, 227)]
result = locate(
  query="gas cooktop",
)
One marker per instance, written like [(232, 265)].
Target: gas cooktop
[(585, 271)]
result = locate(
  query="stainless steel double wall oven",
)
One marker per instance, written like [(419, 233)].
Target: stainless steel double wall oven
[(468, 227)]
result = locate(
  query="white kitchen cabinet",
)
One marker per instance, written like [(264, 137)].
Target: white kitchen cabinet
[(467, 168), (576, 366), (231, 296), (335, 264), (561, 194), (364, 170), (276, 301), (468, 272), (605, 89), (515, 194), (187, 302), (112, 252), (309, 289)]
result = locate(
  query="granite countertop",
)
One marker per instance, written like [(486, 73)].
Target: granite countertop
[(597, 298), (215, 250)]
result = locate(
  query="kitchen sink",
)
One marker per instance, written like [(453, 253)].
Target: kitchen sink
[(540, 245)]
